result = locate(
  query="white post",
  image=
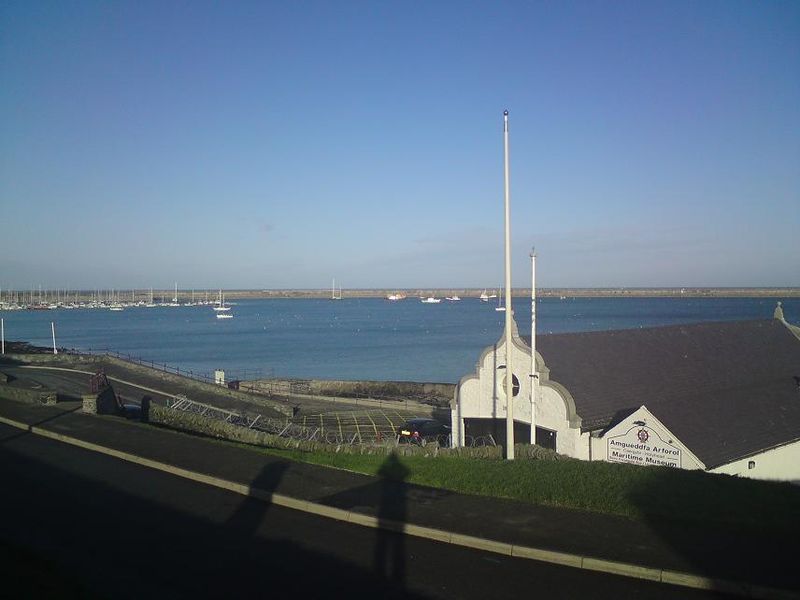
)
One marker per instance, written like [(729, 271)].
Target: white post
[(534, 375), (3, 335), (53, 329), (509, 368)]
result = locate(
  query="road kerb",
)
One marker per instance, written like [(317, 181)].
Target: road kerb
[(366, 520), (697, 582), (617, 568), (549, 556), (478, 543), (621, 568), (429, 533), (16, 424)]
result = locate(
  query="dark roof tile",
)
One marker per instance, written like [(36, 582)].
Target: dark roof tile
[(726, 390)]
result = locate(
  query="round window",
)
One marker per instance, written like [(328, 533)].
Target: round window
[(514, 385)]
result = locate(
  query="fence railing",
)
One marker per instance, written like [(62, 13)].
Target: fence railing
[(204, 376), (251, 381), (287, 429)]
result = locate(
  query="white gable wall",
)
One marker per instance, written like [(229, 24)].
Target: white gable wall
[(642, 439), (553, 413), (781, 463), (482, 396)]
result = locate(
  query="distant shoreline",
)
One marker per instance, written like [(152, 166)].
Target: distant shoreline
[(49, 296), (787, 292)]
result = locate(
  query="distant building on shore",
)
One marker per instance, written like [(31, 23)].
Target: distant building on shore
[(723, 397)]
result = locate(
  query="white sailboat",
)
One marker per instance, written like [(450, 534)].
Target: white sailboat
[(333, 291), (500, 306), (484, 296), (175, 297), (220, 306)]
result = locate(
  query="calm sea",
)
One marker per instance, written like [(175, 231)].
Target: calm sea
[(354, 338)]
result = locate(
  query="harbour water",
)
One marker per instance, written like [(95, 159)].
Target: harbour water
[(354, 339)]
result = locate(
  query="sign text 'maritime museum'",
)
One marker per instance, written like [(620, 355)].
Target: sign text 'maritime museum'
[(641, 445)]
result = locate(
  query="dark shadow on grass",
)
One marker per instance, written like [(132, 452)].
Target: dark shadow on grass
[(723, 526)]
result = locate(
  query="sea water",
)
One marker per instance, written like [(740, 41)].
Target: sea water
[(354, 338)]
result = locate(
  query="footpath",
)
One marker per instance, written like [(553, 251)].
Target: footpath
[(733, 563)]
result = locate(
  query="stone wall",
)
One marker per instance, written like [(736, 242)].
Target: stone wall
[(94, 362), (434, 394), (104, 403), (190, 383), (29, 396)]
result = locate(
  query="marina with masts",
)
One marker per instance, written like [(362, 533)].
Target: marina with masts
[(114, 300)]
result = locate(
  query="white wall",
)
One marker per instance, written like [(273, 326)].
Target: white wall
[(552, 413), (482, 396), (781, 464), (658, 436)]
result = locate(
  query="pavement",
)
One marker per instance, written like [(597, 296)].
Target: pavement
[(741, 564)]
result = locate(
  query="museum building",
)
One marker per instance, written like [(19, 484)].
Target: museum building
[(720, 396)]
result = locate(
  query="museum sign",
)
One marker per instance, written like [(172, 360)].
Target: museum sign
[(641, 445)]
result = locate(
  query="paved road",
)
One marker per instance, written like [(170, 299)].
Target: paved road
[(114, 529), (74, 383)]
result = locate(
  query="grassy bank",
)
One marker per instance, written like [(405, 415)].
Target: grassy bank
[(642, 493)]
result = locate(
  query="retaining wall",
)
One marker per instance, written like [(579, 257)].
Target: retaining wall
[(93, 362), (29, 396), (434, 394)]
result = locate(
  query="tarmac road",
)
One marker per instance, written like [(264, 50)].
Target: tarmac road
[(106, 528)]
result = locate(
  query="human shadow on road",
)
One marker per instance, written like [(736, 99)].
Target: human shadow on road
[(248, 516), (18, 433), (390, 552), (150, 535)]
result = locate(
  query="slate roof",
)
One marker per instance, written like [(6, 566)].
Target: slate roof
[(727, 390)]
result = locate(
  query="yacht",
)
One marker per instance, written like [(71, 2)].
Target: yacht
[(220, 306), (500, 307), (430, 300)]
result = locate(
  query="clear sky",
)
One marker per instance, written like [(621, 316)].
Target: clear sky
[(281, 144)]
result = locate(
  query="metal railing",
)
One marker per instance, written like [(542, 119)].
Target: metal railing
[(296, 431), (204, 376)]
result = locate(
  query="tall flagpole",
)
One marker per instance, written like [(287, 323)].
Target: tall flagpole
[(534, 375), (509, 369)]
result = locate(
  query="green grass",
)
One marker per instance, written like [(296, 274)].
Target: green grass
[(642, 493)]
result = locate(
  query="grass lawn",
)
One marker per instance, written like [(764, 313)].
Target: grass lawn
[(645, 493)]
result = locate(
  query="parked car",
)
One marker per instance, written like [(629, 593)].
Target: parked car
[(421, 431)]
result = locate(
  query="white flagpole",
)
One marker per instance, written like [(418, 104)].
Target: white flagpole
[(509, 369), (53, 329), (3, 334), (534, 376)]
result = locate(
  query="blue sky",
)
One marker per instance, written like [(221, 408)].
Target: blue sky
[(281, 144)]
